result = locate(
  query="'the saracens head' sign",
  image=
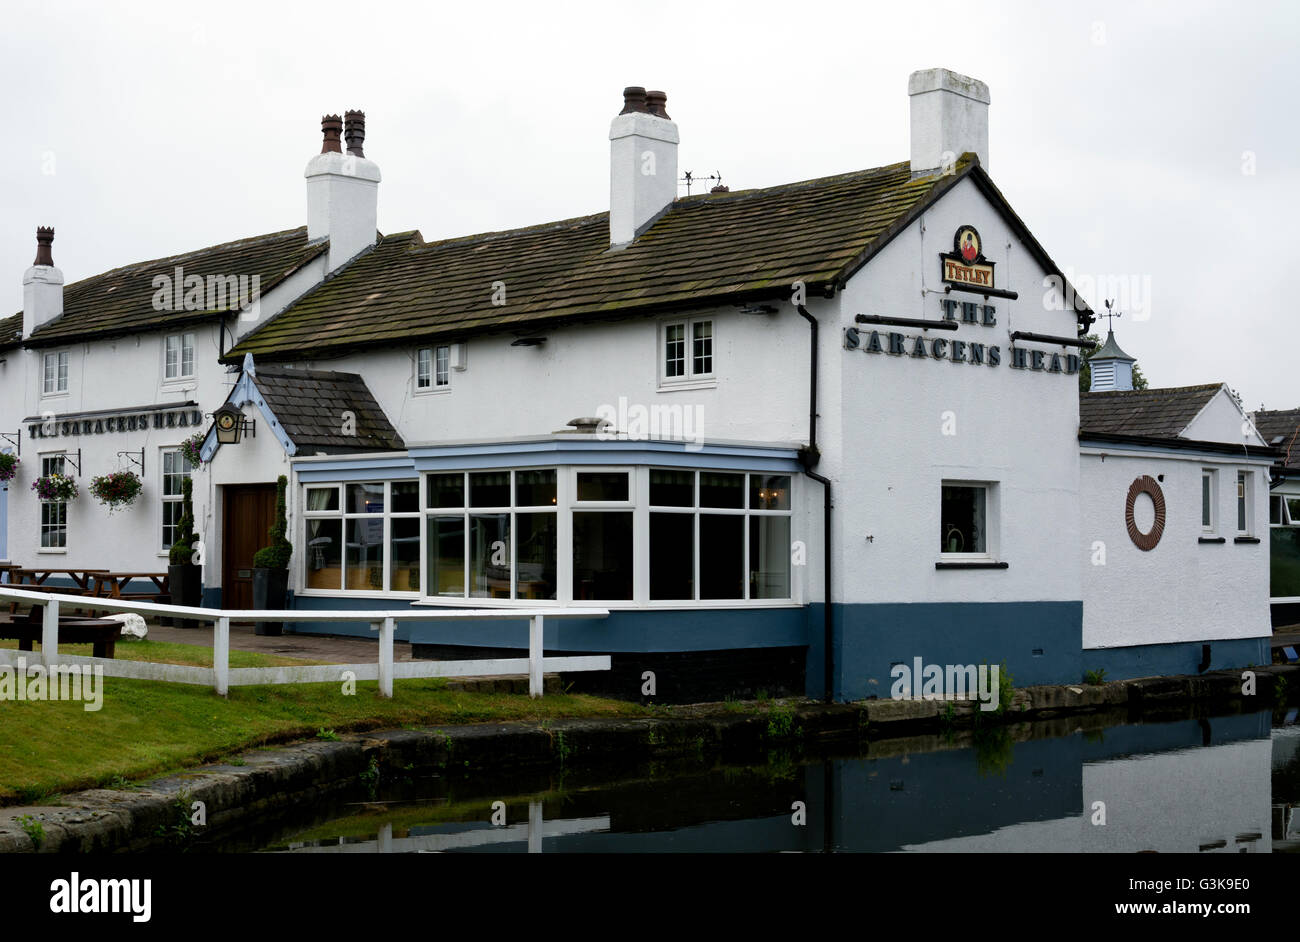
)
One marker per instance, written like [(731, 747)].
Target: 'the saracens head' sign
[(967, 264)]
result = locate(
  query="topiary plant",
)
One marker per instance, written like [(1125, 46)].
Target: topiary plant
[(182, 551), (278, 554)]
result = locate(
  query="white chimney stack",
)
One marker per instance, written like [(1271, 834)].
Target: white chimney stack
[(42, 286), (950, 116), (643, 164), (343, 191)]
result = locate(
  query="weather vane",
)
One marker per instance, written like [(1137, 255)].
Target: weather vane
[(1110, 314)]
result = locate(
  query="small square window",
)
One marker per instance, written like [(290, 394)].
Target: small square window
[(963, 520), (433, 367), (687, 352)]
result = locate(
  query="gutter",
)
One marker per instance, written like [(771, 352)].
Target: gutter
[(809, 457)]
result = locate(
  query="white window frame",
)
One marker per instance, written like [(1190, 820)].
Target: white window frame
[(165, 499), (62, 368), (1212, 476), (1245, 503), (697, 510), (344, 515), (60, 457), (466, 510), (991, 522), (566, 504), (691, 378), (439, 377), (184, 339)]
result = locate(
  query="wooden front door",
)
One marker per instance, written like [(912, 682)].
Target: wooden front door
[(247, 518)]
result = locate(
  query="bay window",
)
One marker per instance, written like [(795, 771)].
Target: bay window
[(572, 535)]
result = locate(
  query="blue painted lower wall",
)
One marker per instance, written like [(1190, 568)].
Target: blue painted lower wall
[(1038, 641), (1156, 660), (622, 631)]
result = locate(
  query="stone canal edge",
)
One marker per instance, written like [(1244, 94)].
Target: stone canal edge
[(142, 818)]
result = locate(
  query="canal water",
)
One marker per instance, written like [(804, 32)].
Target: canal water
[(1222, 784)]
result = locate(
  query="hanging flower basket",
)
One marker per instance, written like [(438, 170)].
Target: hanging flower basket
[(190, 449), (8, 467), (117, 490), (55, 487)]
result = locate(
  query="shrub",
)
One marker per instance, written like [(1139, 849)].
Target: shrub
[(182, 551), (278, 554)]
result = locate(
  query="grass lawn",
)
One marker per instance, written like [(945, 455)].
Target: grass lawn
[(162, 652), (148, 728)]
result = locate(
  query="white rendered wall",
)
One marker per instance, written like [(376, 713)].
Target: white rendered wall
[(1222, 420), (1181, 590), (257, 459), (760, 394), (888, 452), (124, 374)]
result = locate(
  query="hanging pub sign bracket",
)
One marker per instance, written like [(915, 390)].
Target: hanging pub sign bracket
[(131, 456), (67, 459), (15, 439)]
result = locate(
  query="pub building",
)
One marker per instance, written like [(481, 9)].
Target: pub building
[(1281, 429), (708, 414)]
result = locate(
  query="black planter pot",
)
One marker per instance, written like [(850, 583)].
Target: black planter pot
[(185, 583), (270, 588)]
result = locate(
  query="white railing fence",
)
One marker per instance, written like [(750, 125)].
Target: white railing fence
[(221, 677)]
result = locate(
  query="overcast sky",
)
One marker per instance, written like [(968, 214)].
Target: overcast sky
[(1154, 144)]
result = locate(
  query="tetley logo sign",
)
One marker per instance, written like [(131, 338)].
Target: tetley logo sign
[(967, 264)]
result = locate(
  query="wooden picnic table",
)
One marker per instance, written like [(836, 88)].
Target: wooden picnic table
[(34, 579), (111, 585), (102, 633), (37, 576)]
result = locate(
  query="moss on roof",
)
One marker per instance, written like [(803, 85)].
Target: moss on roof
[(11, 331), (1151, 413), (707, 249), (121, 301)]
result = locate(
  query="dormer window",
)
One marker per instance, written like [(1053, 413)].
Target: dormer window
[(178, 356)]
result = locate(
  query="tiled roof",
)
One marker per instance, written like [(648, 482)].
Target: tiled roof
[(707, 249), (310, 406), (1284, 423), (121, 301), (11, 331), (1147, 413)]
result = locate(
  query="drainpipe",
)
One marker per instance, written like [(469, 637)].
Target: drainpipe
[(809, 457)]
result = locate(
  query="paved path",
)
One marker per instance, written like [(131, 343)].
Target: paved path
[(332, 649)]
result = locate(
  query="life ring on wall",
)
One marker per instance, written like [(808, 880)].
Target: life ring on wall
[(1145, 485)]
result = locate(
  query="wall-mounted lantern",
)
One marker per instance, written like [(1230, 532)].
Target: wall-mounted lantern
[(231, 424)]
